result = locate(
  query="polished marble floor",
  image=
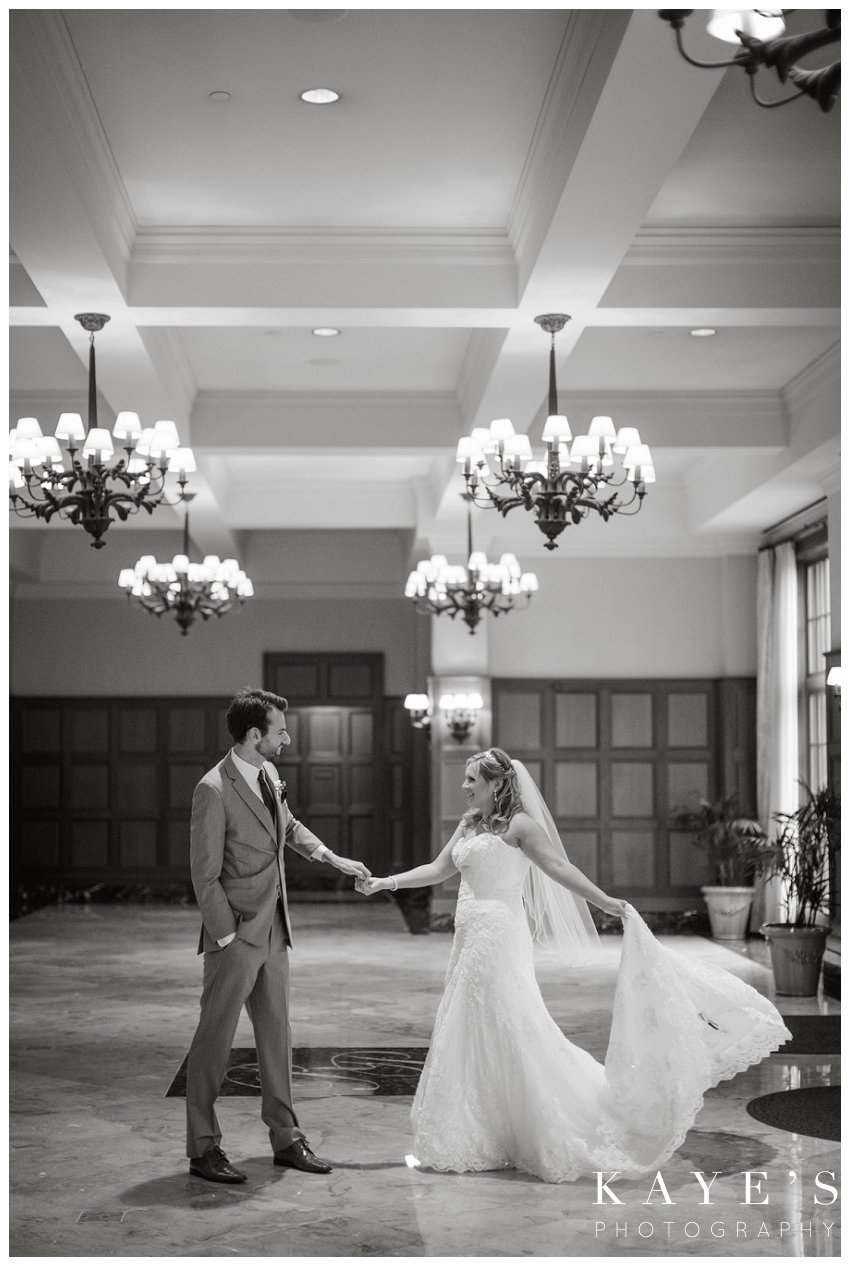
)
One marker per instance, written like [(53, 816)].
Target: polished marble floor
[(103, 1005)]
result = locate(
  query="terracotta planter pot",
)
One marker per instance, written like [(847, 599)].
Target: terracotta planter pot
[(728, 911), (796, 955)]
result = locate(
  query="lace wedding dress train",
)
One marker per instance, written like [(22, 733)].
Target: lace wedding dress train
[(502, 1087)]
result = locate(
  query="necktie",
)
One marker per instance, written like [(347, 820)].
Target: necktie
[(267, 794)]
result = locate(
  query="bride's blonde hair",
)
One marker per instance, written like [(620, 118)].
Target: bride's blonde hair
[(496, 767)]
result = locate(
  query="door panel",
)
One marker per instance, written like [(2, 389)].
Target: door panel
[(337, 775), (614, 757)]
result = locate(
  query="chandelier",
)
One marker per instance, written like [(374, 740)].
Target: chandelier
[(577, 476), (185, 589), (439, 588), (85, 485), (761, 43)]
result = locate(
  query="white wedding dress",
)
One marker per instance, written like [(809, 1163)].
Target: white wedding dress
[(502, 1087)]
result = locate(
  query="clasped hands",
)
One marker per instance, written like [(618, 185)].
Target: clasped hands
[(363, 881), (349, 866), (371, 885)]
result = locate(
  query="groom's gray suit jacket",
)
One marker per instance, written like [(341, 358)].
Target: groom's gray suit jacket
[(236, 857)]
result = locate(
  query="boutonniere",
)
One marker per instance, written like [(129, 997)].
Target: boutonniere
[(280, 789)]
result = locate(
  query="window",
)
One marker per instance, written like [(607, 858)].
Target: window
[(815, 641)]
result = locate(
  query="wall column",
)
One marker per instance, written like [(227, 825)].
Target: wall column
[(460, 665)]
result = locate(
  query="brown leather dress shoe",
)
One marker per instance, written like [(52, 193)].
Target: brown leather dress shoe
[(215, 1167), (299, 1156)]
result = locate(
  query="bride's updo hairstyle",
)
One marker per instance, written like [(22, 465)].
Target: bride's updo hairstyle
[(496, 768)]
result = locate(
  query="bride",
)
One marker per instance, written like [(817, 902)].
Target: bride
[(502, 1087)]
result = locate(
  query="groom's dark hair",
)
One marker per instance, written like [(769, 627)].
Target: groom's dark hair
[(250, 708)]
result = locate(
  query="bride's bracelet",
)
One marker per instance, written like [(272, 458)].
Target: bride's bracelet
[(393, 883)]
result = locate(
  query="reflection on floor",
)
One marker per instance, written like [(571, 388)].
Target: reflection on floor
[(319, 1071), (103, 1005)]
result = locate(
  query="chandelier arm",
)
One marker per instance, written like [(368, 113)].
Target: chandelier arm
[(178, 500), (480, 495), (783, 52), (92, 484), (624, 509), (770, 105), (677, 30), (24, 510), (123, 503), (504, 504)]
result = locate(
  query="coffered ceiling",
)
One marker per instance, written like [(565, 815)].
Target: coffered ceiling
[(481, 167)]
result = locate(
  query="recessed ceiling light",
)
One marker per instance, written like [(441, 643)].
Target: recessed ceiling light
[(704, 331), (219, 95), (319, 96), (325, 331)]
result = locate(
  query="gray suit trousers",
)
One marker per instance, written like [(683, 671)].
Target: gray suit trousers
[(256, 977)]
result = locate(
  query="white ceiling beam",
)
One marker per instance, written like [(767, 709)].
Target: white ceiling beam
[(440, 270), (326, 504), (348, 423), (496, 321), (624, 158)]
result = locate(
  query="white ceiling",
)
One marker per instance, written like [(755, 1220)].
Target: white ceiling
[(481, 167)]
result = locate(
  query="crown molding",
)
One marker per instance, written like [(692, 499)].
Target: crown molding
[(823, 374), (716, 245), (482, 355), (101, 188), (567, 108), (166, 351), (199, 244), (49, 403)]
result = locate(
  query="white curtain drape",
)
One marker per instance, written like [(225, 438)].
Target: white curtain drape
[(777, 755)]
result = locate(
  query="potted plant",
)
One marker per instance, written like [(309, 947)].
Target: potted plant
[(736, 847), (803, 857)]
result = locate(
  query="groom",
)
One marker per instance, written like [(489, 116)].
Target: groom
[(240, 825)]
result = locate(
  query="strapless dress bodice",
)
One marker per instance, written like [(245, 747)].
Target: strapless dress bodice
[(490, 868)]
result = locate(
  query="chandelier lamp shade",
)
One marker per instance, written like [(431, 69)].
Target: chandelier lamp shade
[(187, 590), (762, 44), (87, 484), (439, 587), (576, 477)]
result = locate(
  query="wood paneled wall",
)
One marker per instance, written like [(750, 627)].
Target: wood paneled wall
[(614, 757), (101, 789)]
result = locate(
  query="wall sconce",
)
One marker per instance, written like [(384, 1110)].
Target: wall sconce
[(461, 713), (834, 678), (419, 707)]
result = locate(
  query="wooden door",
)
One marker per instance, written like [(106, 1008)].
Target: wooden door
[(336, 766)]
